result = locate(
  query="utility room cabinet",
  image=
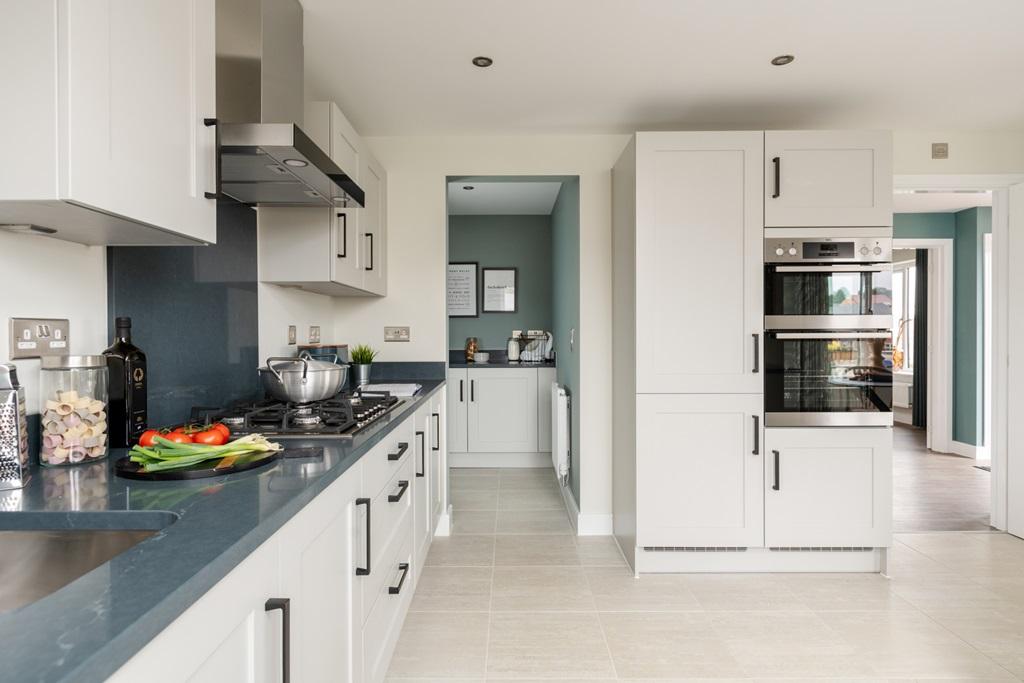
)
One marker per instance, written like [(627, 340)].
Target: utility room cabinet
[(108, 142), (333, 251), (820, 178)]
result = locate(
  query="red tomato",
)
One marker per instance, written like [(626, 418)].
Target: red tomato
[(222, 429), (146, 440), (178, 437), (210, 437)]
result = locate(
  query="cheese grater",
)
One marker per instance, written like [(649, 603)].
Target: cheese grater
[(13, 430)]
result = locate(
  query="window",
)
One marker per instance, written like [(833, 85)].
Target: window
[(904, 293)]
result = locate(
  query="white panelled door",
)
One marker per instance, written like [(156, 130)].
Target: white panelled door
[(1014, 473), (503, 410), (699, 234)]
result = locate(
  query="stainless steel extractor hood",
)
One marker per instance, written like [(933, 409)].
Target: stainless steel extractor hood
[(265, 158)]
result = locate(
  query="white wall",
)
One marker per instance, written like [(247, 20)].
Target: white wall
[(48, 278), (280, 307), (417, 168), (969, 151)]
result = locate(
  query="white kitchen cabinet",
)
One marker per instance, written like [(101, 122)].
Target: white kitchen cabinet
[(423, 484), (502, 410), (825, 178), (700, 469), (108, 143), (828, 487), (698, 270), (373, 226), (458, 410), (545, 378), (438, 460)]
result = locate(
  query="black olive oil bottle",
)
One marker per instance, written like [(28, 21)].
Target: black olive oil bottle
[(126, 364)]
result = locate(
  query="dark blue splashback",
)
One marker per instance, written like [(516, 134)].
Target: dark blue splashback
[(194, 314)]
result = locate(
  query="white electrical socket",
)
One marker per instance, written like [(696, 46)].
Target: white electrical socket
[(293, 335)]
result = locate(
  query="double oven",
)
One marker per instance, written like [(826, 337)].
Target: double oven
[(828, 327)]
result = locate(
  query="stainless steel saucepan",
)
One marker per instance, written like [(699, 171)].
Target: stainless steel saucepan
[(302, 379)]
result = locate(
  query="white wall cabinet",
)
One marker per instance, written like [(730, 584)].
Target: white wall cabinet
[(700, 468), (825, 178), (699, 244), (108, 143), (828, 487), (502, 410)]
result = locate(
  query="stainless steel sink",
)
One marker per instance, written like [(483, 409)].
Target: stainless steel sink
[(37, 563)]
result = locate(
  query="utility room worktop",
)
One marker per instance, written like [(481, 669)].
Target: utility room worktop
[(499, 359)]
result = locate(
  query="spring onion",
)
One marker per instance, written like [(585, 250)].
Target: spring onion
[(166, 455)]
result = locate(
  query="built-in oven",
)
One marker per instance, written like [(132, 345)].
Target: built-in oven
[(828, 281)]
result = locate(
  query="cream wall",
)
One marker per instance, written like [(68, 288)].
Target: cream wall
[(969, 152), (417, 168), (280, 307)]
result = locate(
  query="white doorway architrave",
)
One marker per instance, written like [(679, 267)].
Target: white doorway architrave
[(1007, 210)]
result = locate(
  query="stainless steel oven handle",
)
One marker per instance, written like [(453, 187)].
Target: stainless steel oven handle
[(838, 268), (834, 335)]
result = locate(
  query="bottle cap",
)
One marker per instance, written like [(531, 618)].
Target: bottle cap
[(123, 321)]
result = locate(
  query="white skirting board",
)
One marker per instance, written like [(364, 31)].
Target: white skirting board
[(760, 560), (585, 525), (965, 449), (500, 459), (444, 523)]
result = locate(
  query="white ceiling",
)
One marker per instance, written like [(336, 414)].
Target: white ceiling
[(502, 198), (398, 67), (938, 202)]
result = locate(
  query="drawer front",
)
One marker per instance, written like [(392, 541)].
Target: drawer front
[(391, 527), (382, 627), (378, 469)]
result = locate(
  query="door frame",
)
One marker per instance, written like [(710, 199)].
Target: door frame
[(939, 433), (1000, 185)]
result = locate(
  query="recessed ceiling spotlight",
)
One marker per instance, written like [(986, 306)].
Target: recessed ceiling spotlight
[(482, 62), (297, 163), (782, 60), (468, 187)]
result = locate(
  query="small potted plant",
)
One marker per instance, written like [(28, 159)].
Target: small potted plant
[(362, 356)]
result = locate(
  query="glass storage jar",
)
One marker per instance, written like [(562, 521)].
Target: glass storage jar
[(73, 410)]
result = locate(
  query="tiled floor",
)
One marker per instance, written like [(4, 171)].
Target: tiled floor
[(936, 491), (513, 595)]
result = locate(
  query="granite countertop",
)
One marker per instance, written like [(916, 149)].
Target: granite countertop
[(86, 630), (503, 364)]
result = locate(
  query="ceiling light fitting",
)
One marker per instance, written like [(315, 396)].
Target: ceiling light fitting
[(783, 60), (297, 163), (482, 62)]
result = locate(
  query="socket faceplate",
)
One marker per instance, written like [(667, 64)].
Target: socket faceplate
[(37, 337)]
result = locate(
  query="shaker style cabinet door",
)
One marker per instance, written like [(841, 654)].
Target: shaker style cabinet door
[(827, 178), (699, 234), (828, 487), (503, 410), (458, 410), (373, 226), (699, 465)]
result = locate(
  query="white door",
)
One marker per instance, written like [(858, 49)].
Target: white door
[(503, 410), (372, 226), (699, 470), (140, 80), (826, 178), (545, 378), (422, 485), (1014, 448), (318, 560), (458, 410), (699, 236), (828, 487)]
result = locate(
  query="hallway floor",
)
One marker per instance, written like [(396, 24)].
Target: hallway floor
[(514, 595), (936, 491)]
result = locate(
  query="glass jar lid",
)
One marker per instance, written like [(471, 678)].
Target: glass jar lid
[(71, 362)]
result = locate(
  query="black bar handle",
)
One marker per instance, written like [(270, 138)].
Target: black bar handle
[(397, 455), (370, 235), (472, 390), (757, 353), (395, 590), (757, 435), (775, 486), (365, 571), (778, 177), (403, 486), (437, 432), (423, 447), (461, 397), (208, 122), (283, 604), (343, 217)]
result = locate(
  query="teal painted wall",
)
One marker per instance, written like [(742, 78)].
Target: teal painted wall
[(565, 247), (966, 229), (498, 241)]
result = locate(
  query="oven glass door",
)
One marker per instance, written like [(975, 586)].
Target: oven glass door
[(828, 379), (839, 296)]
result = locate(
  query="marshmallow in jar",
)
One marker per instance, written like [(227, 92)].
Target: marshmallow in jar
[(73, 413)]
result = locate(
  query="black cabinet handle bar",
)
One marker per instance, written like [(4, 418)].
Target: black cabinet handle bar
[(423, 447), (208, 122), (365, 571), (344, 235), (370, 235), (403, 486), (757, 435), (283, 604), (395, 590), (775, 485), (437, 432), (778, 177), (397, 455), (757, 352)]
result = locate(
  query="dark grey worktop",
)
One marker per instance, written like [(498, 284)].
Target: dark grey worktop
[(86, 630), (499, 359)]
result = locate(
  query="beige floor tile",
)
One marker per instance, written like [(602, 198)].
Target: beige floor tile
[(474, 521), (474, 500), (659, 645), (534, 550), (616, 590), (739, 592), (474, 483), (476, 471), (599, 551), (461, 551), (444, 645), (530, 499), (453, 589), (945, 591), (548, 645), (533, 522), (844, 592), (541, 589), (528, 477)]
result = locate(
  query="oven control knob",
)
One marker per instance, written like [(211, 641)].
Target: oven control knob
[(779, 251), (792, 251), (878, 251), (864, 251)]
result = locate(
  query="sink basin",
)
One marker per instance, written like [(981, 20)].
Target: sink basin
[(38, 562)]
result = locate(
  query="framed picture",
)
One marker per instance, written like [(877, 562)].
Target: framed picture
[(499, 291), (462, 290)]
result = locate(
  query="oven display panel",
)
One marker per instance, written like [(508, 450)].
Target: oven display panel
[(827, 250)]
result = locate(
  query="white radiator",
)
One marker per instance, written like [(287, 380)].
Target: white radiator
[(561, 429)]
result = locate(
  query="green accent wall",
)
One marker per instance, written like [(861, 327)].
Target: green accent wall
[(966, 229), (523, 242), (565, 247)]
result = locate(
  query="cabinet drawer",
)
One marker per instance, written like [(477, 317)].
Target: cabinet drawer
[(378, 468), (382, 627), (391, 527)]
